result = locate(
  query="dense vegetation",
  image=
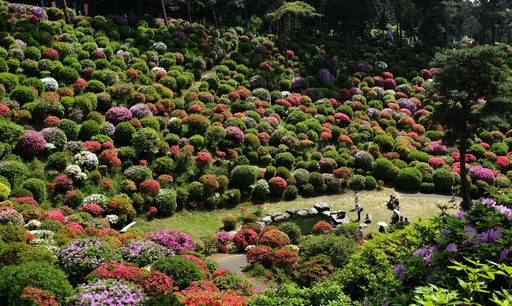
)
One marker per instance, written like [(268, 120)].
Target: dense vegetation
[(104, 119)]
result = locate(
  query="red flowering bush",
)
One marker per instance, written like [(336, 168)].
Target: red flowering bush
[(5, 111), (39, 297), (277, 185), (92, 146), (50, 54), (321, 227), (26, 200), (149, 187), (153, 282), (274, 239), (121, 206), (436, 162), (206, 293), (80, 84), (54, 215), (63, 183), (93, 209), (284, 258), (75, 225), (502, 162), (150, 215), (245, 237), (259, 254), (51, 121), (109, 158), (203, 159)]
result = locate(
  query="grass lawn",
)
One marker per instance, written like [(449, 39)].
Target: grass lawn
[(201, 223)]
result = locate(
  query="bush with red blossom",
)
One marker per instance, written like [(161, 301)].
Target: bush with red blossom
[(62, 183), (153, 282), (259, 254), (436, 162), (284, 258), (149, 187), (151, 214), (277, 185), (206, 293), (502, 162), (244, 238), (55, 214), (26, 200), (92, 146), (274, 239), (39, 297), (203, 159), (109, 157), (321, 227), (93, 209), (75, 225)]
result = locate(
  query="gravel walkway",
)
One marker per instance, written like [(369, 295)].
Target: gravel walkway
[(235, 263)]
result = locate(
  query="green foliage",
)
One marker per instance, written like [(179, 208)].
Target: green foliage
[(443, 180), (181, 270), (88, 129), (16, 172), (383, 169), (70, 128), (409, 179), (37, 187), (339, 249), (124, 134), (39, 274), (146, 142), (292, 230), (243, 176), (165, 202)]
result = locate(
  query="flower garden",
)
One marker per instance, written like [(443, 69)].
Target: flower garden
[(112, 118)]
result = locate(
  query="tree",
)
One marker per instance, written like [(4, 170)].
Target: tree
[(473, 89), (281, 15)]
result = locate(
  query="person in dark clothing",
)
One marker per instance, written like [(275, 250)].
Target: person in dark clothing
[(382, 230)]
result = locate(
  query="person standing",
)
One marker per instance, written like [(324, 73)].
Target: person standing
[(453, 190), (360, 232), (359, 209)]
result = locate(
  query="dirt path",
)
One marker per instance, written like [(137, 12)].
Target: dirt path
[(235, 263)]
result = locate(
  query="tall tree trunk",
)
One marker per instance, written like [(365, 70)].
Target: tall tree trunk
[(214, 15), (466, 202), (189, 16), (163, 11), (66, 15), (282, 29)]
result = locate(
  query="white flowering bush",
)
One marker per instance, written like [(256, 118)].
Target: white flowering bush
[(50, 84), (156, 69), (87, 160), (112, 219), (96, 198), (159, 47), (33, 224), (75, 173)]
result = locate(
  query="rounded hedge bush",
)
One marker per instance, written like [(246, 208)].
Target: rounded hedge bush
[(182, 271), (124, 134), (443, 180), (243, 176), (37, 187), (38, 274), (409, 179), (290, 193), (292, 230), (383, 169), (165, 202), (23, 94), (427, 187), (418, 156), (138, 174)]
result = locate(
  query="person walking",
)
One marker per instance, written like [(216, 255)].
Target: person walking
[(453, 190), (359, 209)]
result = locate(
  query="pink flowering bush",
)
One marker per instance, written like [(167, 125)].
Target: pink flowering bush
[(245, 237), (93, 209), (203, 159), (481, 173), (174, 240), (55, 214), (116, 115)]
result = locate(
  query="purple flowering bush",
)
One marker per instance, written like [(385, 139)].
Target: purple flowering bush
[(80, 257), (108, 292), (468, 240), (324, 76), (140, 110), (481, 173), (31, 143), (144, 252), (116, 115), (174, 240), (234, 133), (11, 216)]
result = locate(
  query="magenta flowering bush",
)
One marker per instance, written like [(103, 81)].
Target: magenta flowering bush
[(176, 241), (203, 159), (481, 173), (144, 252), (108, 292), (80, 257), (31, 143), (233, 132), (116, 115), (224, 238)]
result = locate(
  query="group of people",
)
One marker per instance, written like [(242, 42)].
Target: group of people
[(393, 203)]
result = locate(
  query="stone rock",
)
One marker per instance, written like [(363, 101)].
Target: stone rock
[(302, 213), (326, 213), (287, 215), (292, 211), (274, 215), (312, 211), (322, 206), (267, 220), (279, 218)]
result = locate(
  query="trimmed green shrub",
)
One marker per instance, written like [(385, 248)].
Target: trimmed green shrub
[(499, 148), (23, 94), (88, 129), (292, 230), (427, 187), (37, 187), (409, 179), (39, 274), (418, 156), (70, 128), (165, 202), (243, 176), (370, 182), (443, 180), (179, 269), (290, 193), (339, 249), (16, 172), (383, 169), (138, 174), (124, 134)]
